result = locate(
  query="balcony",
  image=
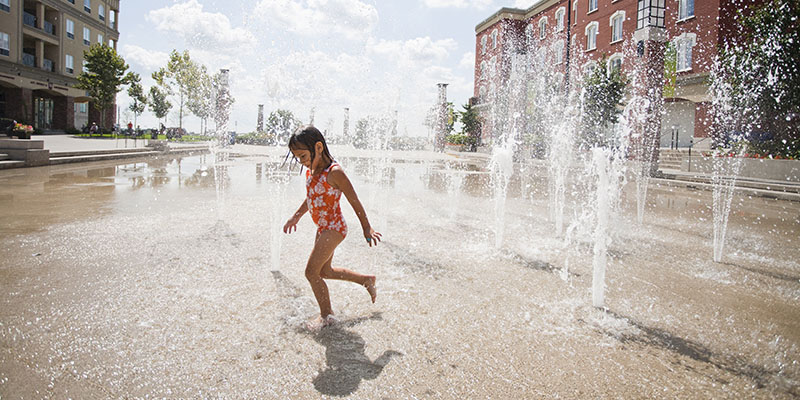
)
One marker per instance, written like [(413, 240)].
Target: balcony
[(28, 59), (48, 65), (29, 19), (49, 28)]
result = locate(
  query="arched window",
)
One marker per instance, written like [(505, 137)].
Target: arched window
[(542, 28), (591, 36), (614, 63), (484, 39), (560, 19), (558, 52), (616, 21)]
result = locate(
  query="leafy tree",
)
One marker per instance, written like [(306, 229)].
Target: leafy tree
[(756, 79), (201, 101), (470, 125), (281, 124), (103, 77), (180, 77), (158, 102), (136, 93), (603, 93)]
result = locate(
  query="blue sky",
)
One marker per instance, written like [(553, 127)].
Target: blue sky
[(373, 56)]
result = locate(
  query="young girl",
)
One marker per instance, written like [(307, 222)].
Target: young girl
[(325, 183)]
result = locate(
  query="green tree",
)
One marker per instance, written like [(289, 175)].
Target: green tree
[(103, 77), (159, 104), (756, 79), (603, 94), (470, 125), (136, 94), (201, 100), (281, 124), (180, 77)]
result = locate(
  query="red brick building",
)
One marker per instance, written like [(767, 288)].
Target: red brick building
[(573, 34)]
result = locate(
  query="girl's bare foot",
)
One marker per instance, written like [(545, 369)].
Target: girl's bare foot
[(370, 285), (318, 323)]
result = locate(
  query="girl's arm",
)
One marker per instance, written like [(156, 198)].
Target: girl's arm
[(291, 224), (338, 179)]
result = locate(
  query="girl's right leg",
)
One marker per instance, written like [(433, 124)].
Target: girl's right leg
[(343, 274)]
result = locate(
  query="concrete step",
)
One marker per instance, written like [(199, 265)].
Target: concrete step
[(99, 152), (5, 164), (762, 185), (100, 157), (4, 157), (21, 144)]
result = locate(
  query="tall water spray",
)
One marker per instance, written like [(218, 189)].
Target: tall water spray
[(223, 102), (508, 109)]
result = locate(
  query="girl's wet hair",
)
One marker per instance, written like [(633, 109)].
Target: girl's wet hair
[(305, 138)]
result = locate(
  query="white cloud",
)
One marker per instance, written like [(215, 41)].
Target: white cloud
[(148, 59), (200, 29), (319, 18), (422, 50), (478, 4), (525, 4), (467, 60)]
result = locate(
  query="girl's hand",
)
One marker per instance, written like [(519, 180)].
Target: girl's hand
[(372, 237), (291, 225)]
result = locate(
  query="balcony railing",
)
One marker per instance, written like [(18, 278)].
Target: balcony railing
[(29, 19), (29, 59), (48, 65), (49, 28)]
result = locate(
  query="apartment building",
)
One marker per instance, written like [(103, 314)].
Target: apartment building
[(41, 54), (572, 35)]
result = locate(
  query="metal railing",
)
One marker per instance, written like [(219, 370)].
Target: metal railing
[(48, 65), (29, 19), (28, 59), (49, 28)]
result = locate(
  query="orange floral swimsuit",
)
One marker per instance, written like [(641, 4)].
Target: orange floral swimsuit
[(323, 202)]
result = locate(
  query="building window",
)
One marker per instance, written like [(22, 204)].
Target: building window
[(529, 34), (112, 19), (85, 66), (589, 67), (494, 38), (68, 64), (591, 36), (100, 39), (542, 28), (87, 6), (558, 52), (616, 26), (592, 5), (101, 12), (650, 13), (560, 19), (87, 36), (70, 29), (683, 51), (5, 5), (5, 44), (484, 39), (614, 63), (71, 1), (685, 9)]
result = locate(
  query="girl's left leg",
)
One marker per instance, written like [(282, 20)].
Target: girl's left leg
[(324, 247)]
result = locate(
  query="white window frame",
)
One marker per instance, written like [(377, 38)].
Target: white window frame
[(542, 28), (560, 18), (484, 70), (591, 38), (558, 52), (101, 12), (684, 45), (484, 40), (84, 67), (619, 15), (5, 44), (87, 4), (100, 38), (70, 28), (6, 3), (683, 12), (69, 64), (614, 57), (494, 38), (87, 36), (592, 2), (529, 32), (588, 67)]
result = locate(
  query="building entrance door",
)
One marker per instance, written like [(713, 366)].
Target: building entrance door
[(44, 113)]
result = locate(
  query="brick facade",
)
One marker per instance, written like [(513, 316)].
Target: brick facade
[(713, 24)]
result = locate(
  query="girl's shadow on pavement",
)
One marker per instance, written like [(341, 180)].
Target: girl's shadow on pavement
[(347, 363)]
